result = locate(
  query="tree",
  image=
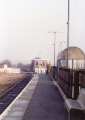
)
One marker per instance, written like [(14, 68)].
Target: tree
[(8, 62)]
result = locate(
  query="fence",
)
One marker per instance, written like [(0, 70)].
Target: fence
[(69, 80), (72, 64), (82, 78)]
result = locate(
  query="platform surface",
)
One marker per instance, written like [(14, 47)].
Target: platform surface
[(46, 102)]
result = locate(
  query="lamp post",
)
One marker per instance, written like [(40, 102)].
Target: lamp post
[(54, 44), (60, 46), (68, 31), (54, 48)]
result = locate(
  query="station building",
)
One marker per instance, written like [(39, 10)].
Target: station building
[(39, 65)]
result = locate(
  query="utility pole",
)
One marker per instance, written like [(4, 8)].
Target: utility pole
[(68, 31)]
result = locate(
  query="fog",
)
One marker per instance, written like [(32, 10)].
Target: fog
[(24, 27)]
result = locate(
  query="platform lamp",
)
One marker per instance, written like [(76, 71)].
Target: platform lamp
[(54, 47), (68, 32)]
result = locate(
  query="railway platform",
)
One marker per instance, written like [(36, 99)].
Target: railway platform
[(39, 100)]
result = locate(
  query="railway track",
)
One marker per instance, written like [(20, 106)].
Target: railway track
[(12, 93)]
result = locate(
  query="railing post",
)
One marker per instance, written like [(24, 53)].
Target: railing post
[(76, 84)]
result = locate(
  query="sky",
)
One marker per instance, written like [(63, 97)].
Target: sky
[(25, 27)]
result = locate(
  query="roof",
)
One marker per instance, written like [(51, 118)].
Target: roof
[(73, 53)]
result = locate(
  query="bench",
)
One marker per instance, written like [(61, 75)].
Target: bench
[(78, 104)]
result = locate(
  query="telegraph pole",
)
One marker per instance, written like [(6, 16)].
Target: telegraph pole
[(68, 31)]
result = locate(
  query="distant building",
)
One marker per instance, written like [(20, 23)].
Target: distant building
[(39, 65), (6, 69)]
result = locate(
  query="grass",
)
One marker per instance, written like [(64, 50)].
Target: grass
[(7, 80)]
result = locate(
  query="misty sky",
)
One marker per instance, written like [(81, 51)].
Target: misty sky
[(24, 27)]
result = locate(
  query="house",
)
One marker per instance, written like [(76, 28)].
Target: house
[(6, 69)]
